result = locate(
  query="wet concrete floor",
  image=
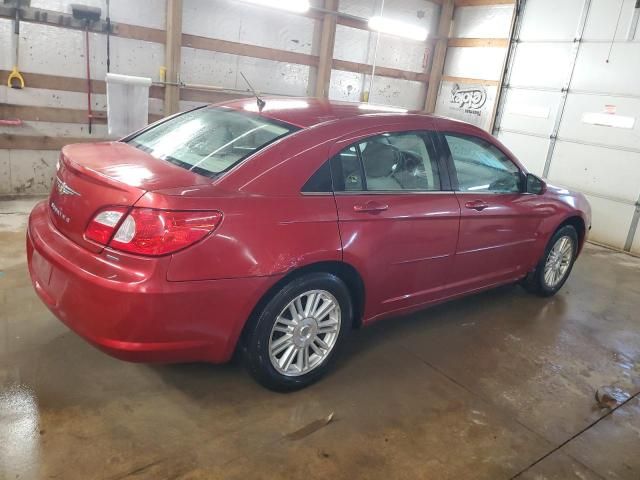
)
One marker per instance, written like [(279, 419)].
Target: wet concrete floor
[(494, 386)]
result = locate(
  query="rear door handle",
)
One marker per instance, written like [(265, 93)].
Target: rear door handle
[(370, 207), (478, 205)]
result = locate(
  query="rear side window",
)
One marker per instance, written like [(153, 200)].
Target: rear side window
[(482, 167), (403, 161), (210, 140)]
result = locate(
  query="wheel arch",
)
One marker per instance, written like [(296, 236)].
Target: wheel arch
[(344, 271), (577, 222)]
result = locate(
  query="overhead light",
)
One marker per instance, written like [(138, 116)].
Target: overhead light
[(298, 6), (398, 28)]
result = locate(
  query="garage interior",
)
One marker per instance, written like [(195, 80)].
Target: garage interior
[(499, 385)]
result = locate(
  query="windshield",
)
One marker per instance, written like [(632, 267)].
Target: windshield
[(209, 141)]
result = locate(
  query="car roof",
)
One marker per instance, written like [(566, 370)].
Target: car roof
[(306, 112)]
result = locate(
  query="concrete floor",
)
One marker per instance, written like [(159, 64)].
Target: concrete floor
[(494, 386)]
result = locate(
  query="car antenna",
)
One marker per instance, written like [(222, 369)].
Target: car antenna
[(261, 103)]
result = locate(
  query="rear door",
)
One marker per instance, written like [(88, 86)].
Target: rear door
[(398, 216), (498, 223)]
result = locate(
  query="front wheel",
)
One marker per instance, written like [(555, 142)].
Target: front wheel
[(556, 263), (295, 338)]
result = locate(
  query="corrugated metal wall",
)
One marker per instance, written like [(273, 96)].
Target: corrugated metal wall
[(575, 58)]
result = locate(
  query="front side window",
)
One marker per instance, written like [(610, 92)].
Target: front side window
[(403, 161), (482, 167), (210, 140)]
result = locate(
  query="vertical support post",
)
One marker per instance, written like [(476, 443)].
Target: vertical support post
[(577, 42), (173, 45), (440, 53), (507, 68), (327, 43)]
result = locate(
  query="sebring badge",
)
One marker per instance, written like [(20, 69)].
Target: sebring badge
[(64, 189)]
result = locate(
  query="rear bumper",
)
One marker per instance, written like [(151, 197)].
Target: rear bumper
[(125, 306)]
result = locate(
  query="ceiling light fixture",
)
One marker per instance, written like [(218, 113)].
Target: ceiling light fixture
[(298, 6), (397, 28)]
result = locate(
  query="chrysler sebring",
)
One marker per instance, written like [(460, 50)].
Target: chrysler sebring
[(272, 230)]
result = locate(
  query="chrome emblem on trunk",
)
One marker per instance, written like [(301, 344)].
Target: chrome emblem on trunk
[(64, 189)]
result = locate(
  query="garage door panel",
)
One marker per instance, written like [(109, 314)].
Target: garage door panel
[(530, 111), (538, 24), (603, 18), (531, 151), (603, 171), (541, 64), (574, 126), (620, 75), (610, 221)]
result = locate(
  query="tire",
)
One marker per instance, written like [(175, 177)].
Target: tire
[(536, 281), (282, 351)]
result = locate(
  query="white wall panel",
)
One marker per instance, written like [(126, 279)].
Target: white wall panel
[(223, 70), (603, 16), (346, 86), (353, 44), (620, 75), (610, 220), (529, 110), (28, 172), (59, 51), (531, 151), (572, 125), (541, 64), (490, 21), (245, 23), (551, 19), (474, 62), (603, 171)]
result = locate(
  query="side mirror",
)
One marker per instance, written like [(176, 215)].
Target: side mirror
[(535, 185)]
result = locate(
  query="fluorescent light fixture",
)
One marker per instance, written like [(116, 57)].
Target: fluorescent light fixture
[(608, 120), (299, 6), (272, 105), (397, 28), (381, 108)]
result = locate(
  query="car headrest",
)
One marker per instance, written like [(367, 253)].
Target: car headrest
[(379, 159)]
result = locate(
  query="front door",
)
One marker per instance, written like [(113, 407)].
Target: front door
[(498, 224), (397, 215)]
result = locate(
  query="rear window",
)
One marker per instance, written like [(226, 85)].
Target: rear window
[(209, 140)]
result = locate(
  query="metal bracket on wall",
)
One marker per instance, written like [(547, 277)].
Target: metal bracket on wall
[(508, 69), (577, 42)]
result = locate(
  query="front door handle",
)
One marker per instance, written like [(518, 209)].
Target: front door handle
[(478, 205), (370, 207)]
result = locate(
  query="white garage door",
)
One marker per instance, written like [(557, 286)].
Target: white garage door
[(570, 106)]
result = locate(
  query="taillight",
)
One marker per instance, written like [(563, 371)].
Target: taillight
[(153, 232), (101, 228)]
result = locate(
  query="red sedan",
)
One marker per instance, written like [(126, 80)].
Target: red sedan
[(277, 230)]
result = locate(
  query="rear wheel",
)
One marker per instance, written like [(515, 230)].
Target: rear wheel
[(295, 338), (556, 263)]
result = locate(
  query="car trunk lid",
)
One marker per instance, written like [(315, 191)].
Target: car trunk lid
[(90, 177)]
